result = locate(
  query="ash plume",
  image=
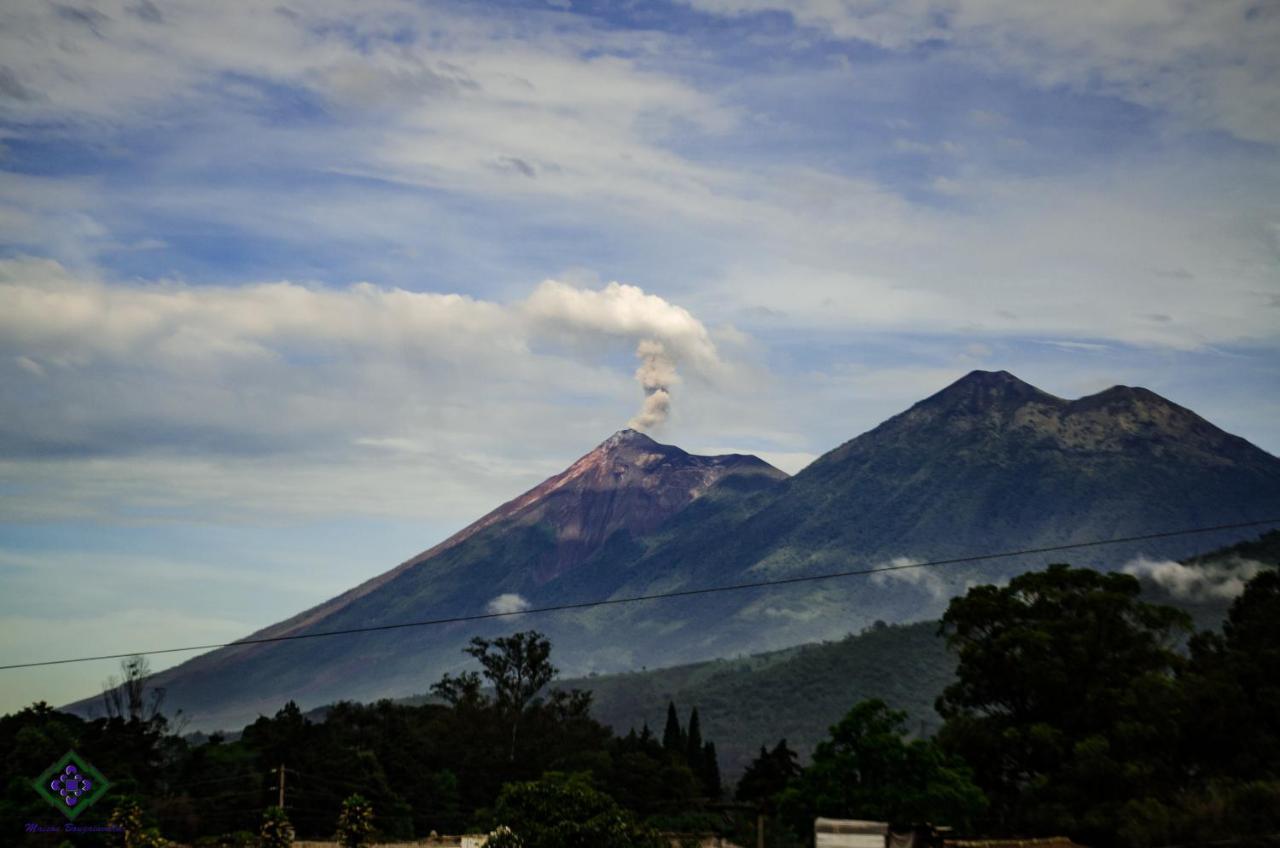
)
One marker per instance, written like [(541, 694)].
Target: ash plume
[(667, 335), (656, 375)]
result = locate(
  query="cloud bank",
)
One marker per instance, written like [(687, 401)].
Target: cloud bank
[(206, 381)]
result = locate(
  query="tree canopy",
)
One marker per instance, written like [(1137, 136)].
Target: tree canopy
[(869, 769), (1081, 712), (564, 811)]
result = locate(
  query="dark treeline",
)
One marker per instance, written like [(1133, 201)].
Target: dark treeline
[(433, 767), (1078, 709)]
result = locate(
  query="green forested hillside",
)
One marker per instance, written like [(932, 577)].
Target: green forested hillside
[(797, 693)]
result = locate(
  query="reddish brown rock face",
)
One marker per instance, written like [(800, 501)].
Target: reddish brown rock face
[(628, 481)]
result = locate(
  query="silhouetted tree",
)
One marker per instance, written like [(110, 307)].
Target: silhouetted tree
[(673, 740), (768, 775), (1233, 688), (693, 740), (129, 698), (711, 772), (518, 667)]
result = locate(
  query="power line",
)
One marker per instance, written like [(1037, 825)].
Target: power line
[(682, 593)]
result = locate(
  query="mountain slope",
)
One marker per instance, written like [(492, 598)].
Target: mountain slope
[(796, 693), (988, 464), (626, 487)]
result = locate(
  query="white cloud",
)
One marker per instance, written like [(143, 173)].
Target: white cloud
[(507, 603), (310, 399), (937, 583), (1220, 580), (1032, 257), (553, 119), (1209, 64), (801, 615), (929, 580), (466, 102)]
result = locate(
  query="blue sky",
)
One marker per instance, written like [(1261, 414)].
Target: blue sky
[(288, 292)]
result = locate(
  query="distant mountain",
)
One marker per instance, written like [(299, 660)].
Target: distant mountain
[(988, 464)]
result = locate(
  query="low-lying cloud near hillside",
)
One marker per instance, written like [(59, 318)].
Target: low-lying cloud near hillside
[(1221, 580)]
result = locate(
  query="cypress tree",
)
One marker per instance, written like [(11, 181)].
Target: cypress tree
[(711, 772), (693, 742), (672, 735)]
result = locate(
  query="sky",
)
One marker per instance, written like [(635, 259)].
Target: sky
[(290, 291)]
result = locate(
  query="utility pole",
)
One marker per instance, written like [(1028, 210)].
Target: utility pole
[(280, 784), (760, 828)]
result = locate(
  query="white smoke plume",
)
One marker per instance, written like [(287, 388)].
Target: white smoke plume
[(1221, 580), (373, 347), (669, 335), (656, 375), (506, 603)]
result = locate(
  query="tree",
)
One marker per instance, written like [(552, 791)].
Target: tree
[(127, 819), (711, 772), (1233, 687), (518, 667), (1065, 700), (355, 822), (461, 691), (276, 831), (693, 740), (127, 697), (868, 769), (673, 738), (768, 775), (562, 811)]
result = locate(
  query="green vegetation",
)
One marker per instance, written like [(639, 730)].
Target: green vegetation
[(795, 693), (869, 770), (562, 811), (276, 831), (413, 769), (355, 822), (1066, 698), (1073, 712)]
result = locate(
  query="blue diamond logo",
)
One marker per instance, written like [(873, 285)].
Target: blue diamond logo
[(71, 784)]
